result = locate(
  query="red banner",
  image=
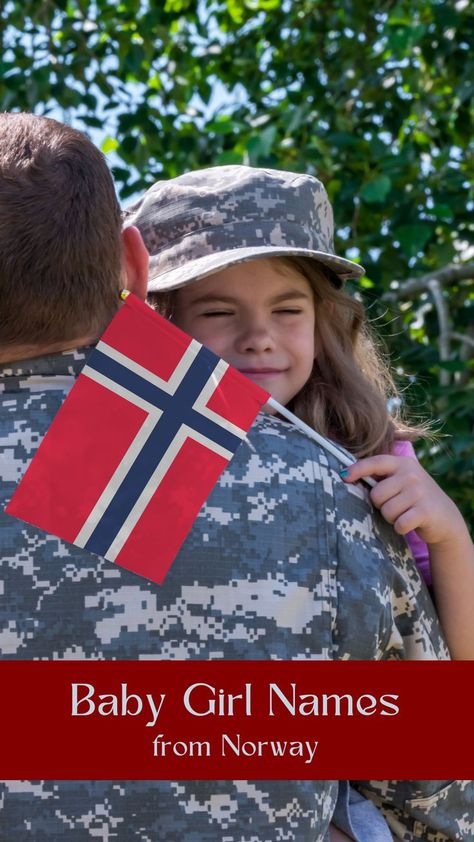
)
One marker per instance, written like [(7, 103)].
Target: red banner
[(240, 720)]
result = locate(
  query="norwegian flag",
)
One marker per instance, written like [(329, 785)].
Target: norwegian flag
[(143, 436)]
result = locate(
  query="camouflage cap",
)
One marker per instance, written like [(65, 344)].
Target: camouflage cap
[(204, 221)]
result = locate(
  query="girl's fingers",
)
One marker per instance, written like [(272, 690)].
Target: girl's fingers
[(373, 466), (386, 489), (408, 497), (407, 522), (399, 507)]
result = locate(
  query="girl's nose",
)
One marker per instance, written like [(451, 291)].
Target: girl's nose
[(255, 336)]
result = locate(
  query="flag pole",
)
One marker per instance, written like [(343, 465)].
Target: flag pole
[(344, 457)]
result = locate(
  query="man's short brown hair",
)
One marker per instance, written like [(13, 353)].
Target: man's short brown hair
[(60, 246)]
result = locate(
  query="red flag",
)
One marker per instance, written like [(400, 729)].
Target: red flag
[(139, 443)]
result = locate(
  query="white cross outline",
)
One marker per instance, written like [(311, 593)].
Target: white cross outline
[(153, 416)]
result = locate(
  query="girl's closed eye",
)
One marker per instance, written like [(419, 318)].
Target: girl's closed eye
[(211, 313), (294, 311)]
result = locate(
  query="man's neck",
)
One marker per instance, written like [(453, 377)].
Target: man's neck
[(14, 353)]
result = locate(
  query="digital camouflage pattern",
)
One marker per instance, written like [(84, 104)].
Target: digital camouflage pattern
[(269, 569), (424, 809), (165, 811), (205, 220)]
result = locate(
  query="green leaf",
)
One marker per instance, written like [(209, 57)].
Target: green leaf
[(421, 138), (222, 125), (229, 157), (443, 212), (110, 144), (129, 143), (236, 10), (343, 139), (177, 5), (134, 59), (453, 365), (413, 238), (262, 5), (376, 190), (399, 15), (333, 188), (260, 145)]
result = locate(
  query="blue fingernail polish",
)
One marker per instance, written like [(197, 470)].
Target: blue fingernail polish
[(344, 473)]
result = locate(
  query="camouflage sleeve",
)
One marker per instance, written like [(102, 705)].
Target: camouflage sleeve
[(148, 811), (434, 811), (384, 610)]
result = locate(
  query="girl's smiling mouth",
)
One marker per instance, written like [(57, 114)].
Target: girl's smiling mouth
[(266, 370)]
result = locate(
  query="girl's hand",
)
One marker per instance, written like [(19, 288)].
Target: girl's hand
[(409, 498)]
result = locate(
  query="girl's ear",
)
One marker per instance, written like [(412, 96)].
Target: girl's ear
[(135, 260)]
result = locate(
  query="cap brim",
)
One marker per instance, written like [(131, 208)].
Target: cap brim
[(201, 267)]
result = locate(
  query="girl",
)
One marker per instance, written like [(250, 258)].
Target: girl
[(242, 259)]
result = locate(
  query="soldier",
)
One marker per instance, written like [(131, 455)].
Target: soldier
[(323, 586)]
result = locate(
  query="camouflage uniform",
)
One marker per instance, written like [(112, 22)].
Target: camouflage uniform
[(430, 810), (268, 568)]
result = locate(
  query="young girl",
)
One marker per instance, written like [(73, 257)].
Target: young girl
[(266, 318), (242, 259)]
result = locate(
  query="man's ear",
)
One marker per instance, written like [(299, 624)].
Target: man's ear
[(135, 260)]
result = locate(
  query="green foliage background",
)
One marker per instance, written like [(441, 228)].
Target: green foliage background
[(374, 99)]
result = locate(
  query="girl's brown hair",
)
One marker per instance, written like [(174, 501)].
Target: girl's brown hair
[(346, 396)]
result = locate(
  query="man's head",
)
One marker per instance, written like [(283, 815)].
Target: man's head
[(61, 257)]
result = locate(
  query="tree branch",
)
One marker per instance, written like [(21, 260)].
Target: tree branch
[(461, 337), (466, 352), (450, 274), (442, 310)]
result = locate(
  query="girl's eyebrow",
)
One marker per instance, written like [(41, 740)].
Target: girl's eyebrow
[(290, 295)]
